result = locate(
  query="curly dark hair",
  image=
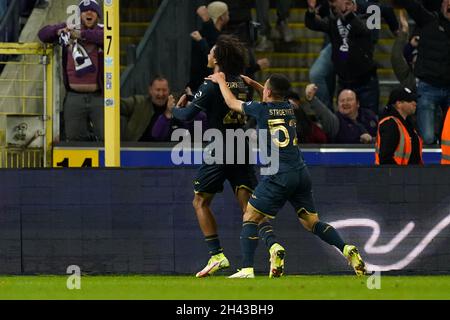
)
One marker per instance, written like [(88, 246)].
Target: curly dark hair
[(231, 55)]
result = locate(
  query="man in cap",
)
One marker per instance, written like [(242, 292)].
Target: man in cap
[(397, 139), (82, 60)]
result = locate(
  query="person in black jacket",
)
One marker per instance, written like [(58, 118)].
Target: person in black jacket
[(352, 50), (214, 18), (401, 107), (432, 67)]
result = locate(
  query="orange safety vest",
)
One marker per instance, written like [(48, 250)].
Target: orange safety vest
[(445, 140), (403, 151)]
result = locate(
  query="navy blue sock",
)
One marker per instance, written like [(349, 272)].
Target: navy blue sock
[(249, 242), (328, 234), (213, 244), (266, 234)]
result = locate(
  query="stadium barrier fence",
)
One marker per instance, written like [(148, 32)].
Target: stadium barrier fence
[(26, 99), (141, 221)]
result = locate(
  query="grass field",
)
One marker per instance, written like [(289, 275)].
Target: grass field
[(219, 287)]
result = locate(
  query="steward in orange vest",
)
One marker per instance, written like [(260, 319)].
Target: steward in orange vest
[(445, 140), (397, 139)]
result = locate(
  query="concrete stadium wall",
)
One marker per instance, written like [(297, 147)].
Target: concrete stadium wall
[(141, 221)]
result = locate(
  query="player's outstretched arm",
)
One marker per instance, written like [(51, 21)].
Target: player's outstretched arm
[(231, 101), (254, 84)]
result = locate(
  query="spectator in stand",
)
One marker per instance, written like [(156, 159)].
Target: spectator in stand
[(350, 124), (166, 124), (308, 131), (404, 54), (82, 59), (432, 67), (322, 71), (214, 18), (352, 50), (140, 112), (397, 139), (262, 11), (149, 118), (239, 24)]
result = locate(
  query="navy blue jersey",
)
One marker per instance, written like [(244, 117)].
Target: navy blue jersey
[(210, 100), (279, 121)]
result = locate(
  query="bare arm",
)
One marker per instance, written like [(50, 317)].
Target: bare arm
[(254, 84)]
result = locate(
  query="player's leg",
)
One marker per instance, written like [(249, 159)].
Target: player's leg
[(303, 202), (331, 236), (249, 242), (209, 180), (265, 229), (264, 203), (243, 180)]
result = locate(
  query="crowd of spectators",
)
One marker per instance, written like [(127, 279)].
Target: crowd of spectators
[(342, 102)]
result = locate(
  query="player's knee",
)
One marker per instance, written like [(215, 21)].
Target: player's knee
[(199, 202), (308, 220), (251, 215), (307, 225)]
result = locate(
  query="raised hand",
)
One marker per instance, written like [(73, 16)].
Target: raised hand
[(403, 21), (182, 101), (202, 12), (196, 36), (312, 4), (310, 91)]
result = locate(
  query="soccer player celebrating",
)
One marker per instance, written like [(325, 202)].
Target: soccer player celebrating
[(227, 56), (291, 183)]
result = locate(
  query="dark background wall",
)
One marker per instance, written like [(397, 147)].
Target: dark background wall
[(141, 220)]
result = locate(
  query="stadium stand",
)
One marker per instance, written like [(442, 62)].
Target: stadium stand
[(295, 59)]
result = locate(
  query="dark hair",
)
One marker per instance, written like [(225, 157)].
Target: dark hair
[(230, 55), (280, 85), (158, 77)]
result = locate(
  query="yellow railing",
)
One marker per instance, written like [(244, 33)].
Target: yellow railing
[(26, 90), (21, 158)]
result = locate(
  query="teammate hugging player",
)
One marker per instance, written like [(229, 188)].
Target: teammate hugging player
[(227, 56), (291, 183)]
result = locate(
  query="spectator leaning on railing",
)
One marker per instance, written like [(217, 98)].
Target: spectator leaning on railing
[(140, 112), (397, 139), (147, 118), (82, 59)]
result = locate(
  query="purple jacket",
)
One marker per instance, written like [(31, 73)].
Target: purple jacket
[(350, 131), (163, 127), (49, 34)]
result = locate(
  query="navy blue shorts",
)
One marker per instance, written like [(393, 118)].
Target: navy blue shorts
[(273, 191), (210, 178)]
